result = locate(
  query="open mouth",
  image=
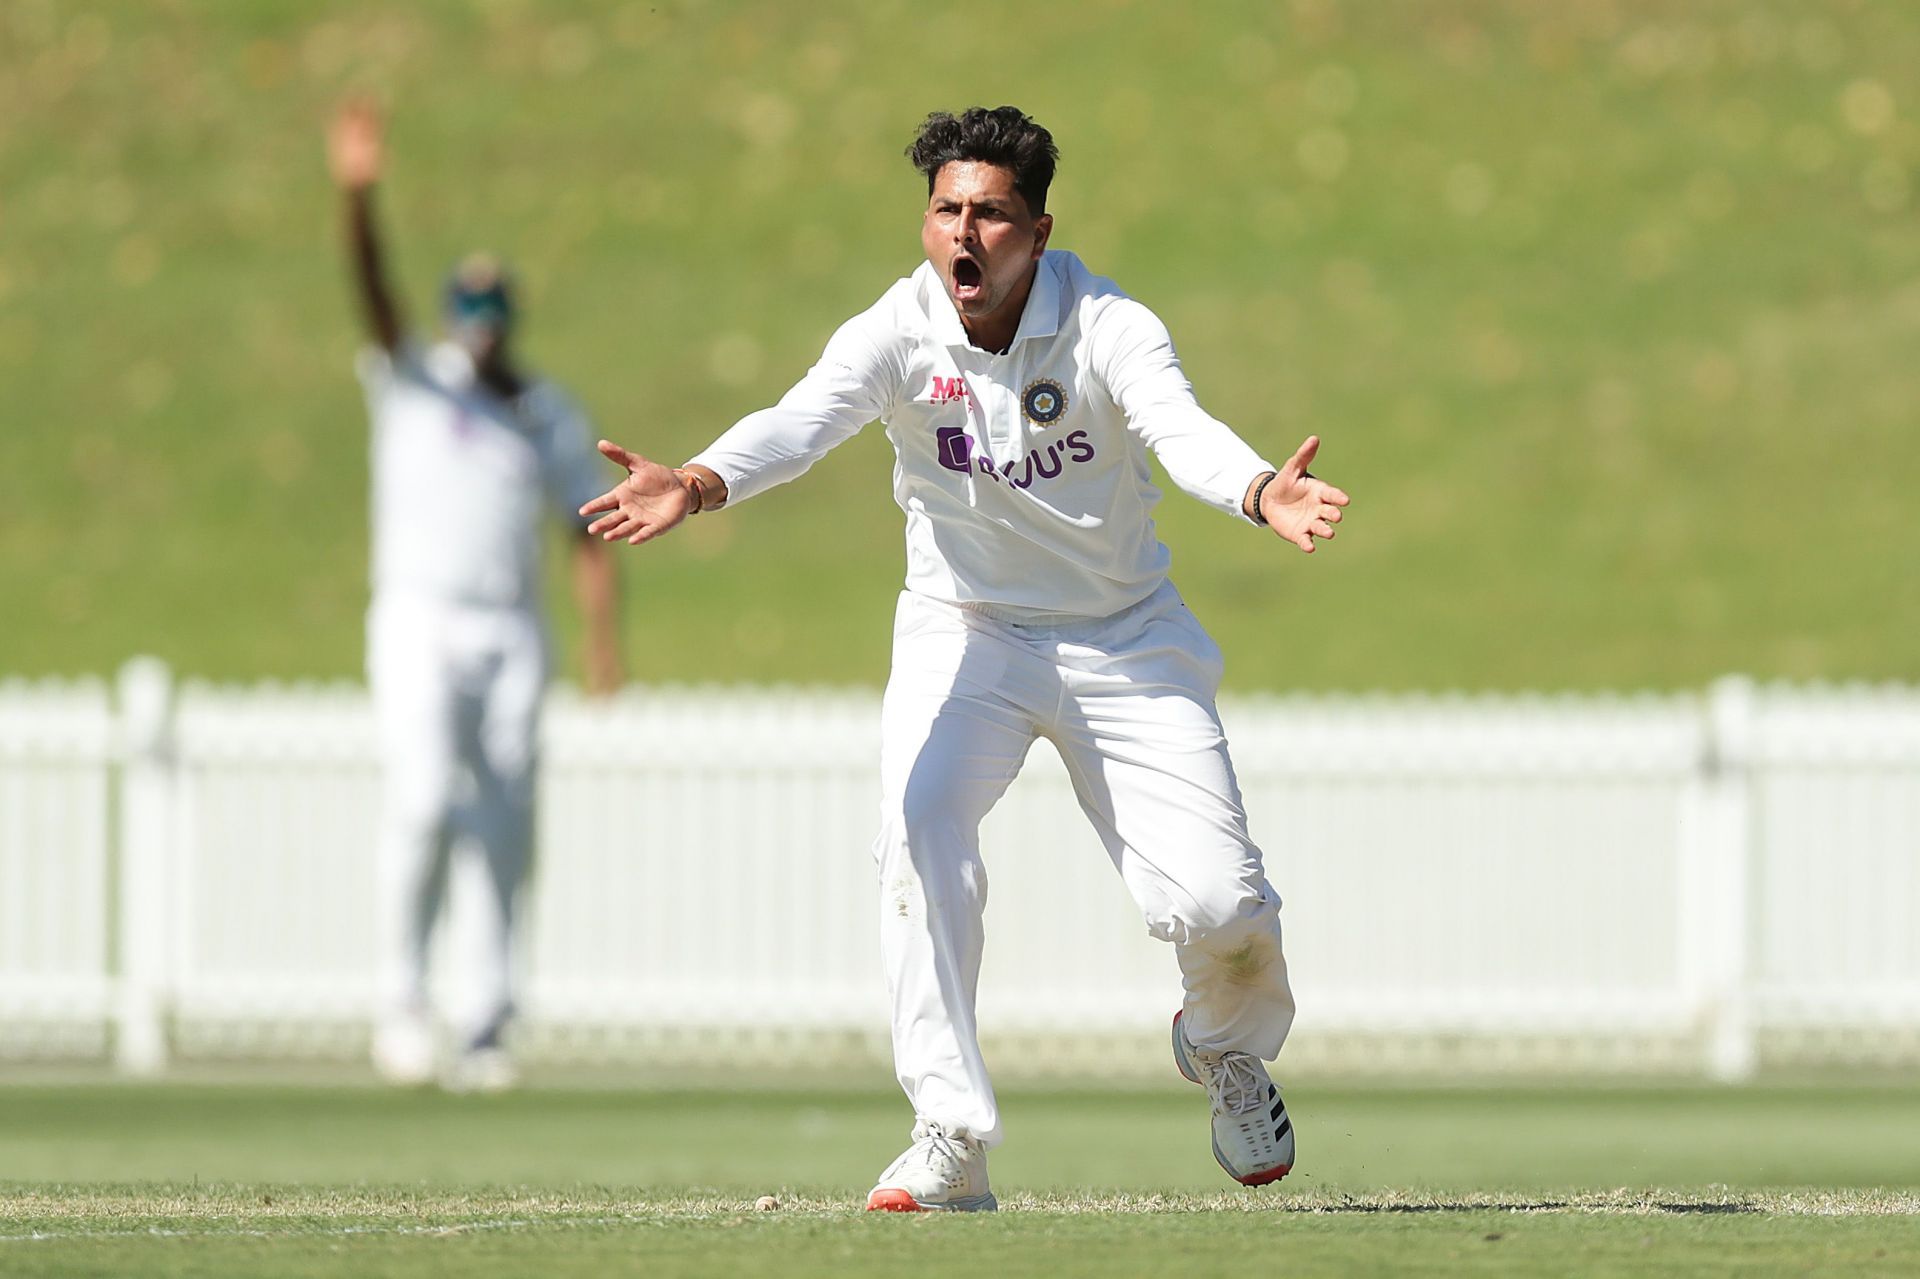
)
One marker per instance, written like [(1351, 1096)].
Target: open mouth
[(967, 279)]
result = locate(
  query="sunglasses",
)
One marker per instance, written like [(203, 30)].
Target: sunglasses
[(488, 307)]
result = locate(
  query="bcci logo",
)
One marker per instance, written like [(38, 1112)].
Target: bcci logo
[(1043, 401)]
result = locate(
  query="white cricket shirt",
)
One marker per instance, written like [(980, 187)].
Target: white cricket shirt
[(462, 477), (1023, 476)]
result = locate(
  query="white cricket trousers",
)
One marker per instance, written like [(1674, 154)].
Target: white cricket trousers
[(1129, 702), (456, 692)]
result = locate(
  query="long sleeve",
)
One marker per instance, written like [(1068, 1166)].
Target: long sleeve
[(856, 381), (1135, 357)]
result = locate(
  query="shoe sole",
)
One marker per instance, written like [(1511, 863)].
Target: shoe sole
[(901, 1201), (1266, 1176)]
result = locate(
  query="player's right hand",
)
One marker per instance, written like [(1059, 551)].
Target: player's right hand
[(641, 507), (354, 148)]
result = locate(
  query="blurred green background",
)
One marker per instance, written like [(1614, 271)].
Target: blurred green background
[(1605, 309)]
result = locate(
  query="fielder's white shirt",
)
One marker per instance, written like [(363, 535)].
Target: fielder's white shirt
[(1023, 476), (462, 477)]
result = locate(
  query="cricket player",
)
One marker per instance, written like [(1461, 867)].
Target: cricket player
[(1021, 393), (456, 649)]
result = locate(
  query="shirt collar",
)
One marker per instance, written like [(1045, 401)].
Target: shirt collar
[(1039, 319)]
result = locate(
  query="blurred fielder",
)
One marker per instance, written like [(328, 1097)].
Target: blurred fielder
[(456, 650), (1021, 393)]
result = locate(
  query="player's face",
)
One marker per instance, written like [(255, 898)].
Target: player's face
[(484, 343), (981, 237), (479, 311)]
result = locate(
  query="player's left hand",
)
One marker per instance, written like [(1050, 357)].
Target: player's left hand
[(1298, 506), (650, 501)]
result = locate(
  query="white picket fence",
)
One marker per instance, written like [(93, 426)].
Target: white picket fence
[(1698, 882)]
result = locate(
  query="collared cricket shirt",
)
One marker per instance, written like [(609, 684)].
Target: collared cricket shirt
[(462, 477), (1023, 475)]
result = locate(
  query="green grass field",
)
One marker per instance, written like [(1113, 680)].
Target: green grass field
[(182, 1180), (1606, 309)]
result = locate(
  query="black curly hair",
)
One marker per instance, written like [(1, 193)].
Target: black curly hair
[(1006, 137)]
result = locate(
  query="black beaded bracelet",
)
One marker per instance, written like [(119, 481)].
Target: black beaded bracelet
[(1259, 489)]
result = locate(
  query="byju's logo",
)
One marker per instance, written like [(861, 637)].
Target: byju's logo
[(956, 448), (948, 390)]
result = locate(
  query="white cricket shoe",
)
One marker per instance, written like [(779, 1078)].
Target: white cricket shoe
[(1252, 1135), (482, 1070), (403, 1050), (938, 1173)]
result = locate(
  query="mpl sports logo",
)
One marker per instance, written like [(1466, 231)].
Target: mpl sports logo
[(949, 390)]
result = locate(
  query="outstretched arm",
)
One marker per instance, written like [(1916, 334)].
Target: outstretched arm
[(1293, 502), (354, 154), (1134, 356), (1202, 455), (853, 383)]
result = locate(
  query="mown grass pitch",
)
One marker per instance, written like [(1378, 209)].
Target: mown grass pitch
[(255, 1180), (299, 1231)]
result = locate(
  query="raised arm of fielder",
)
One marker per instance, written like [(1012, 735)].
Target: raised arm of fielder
[(355, 156)]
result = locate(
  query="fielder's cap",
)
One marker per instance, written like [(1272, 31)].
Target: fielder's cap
[(479, 293)]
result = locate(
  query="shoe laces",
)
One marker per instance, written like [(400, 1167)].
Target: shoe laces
[(937, 1150), (1235, 1081)]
